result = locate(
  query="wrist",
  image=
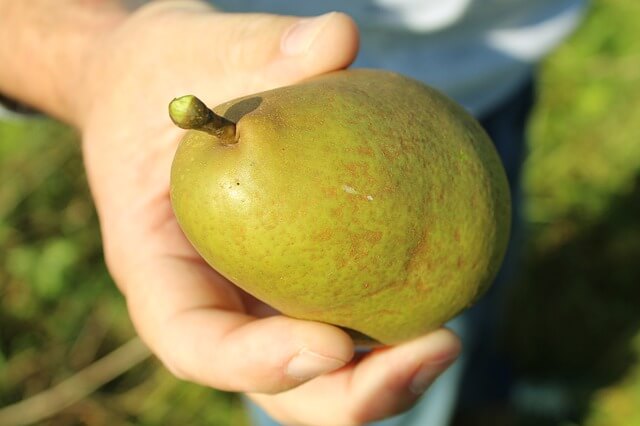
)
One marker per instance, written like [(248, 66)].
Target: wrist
[(44, 49)]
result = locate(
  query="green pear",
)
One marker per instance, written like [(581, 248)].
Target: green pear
[(359, 198)]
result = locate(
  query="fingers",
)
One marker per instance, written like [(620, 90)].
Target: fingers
[(384, 383), (262, 51), (169, 48), (313, 46), (249, 41), (192, 319), (273, 50), (379, 391)]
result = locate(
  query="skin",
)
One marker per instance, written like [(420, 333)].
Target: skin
[(110, 72)]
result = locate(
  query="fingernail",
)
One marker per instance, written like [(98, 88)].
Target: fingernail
[(425, 376), (300, 36), (307, 365)]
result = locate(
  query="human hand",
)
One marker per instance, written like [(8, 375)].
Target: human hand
[(201, 326)]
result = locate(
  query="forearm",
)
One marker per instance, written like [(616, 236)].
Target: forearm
[(44, 45)]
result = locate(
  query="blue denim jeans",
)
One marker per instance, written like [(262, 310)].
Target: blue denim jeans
[(481, 374)]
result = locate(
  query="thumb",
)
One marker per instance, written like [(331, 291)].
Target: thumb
[(273, 50)]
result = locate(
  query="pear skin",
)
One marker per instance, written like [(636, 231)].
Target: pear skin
[(359, 198)]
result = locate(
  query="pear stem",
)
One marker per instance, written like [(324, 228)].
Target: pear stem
[(189, 112)]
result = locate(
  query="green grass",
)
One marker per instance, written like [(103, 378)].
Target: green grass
[(573, 321)]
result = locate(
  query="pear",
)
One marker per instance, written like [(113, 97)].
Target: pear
[(360, 198)]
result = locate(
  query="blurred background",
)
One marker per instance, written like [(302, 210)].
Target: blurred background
[(573, 322)]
